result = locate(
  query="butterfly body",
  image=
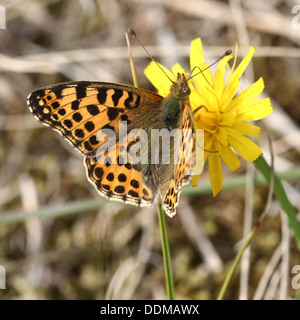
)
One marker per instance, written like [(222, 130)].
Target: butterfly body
[(81, 110)]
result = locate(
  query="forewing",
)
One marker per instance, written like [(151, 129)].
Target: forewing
[(80, 110)]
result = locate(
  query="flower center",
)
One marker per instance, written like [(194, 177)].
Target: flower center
[(207, 120)]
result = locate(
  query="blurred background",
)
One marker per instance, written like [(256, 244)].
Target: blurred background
[(58, 238)]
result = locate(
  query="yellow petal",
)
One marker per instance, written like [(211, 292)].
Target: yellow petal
[(195, 100), (177, 68), (245, 147), (158, 79), (246, 97), (256, 110), (208, 141), (245, 129), (207, 99), (226, 119), (221, 135), (219, 77), (202, 79), (195, 180), (229, 93), (197, 61), (215, 173), (230, 158), (243, 65), (196, 53)]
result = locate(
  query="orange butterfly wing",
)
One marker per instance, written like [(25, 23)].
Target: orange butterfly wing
[(182, 171), (80, 110)]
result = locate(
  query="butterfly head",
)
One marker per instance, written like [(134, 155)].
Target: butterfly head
[(180, 87)]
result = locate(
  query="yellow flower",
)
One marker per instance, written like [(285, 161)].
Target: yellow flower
[(223, 113)]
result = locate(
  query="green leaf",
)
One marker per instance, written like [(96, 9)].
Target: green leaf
[(281, 196)]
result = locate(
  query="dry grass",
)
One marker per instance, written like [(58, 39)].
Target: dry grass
[(115, 252)]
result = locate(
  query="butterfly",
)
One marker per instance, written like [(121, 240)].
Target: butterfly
[(80, 110)]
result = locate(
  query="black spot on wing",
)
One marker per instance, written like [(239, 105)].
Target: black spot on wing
[(93, 140), (133, 194), (99, 172), (77, 116), (116, 96), (110, 176), (75, 105), (124, 117), (79, 133), (62, 112), (145, 192), (112, 113), (133, 101), (58, 92), (68, 123), (134, 183), (119, 189), (87, 146), (122, 177), (89, 125), (80, 91), (92, 109), (55, 105), (106, 187), (128, 165), (102, 95)]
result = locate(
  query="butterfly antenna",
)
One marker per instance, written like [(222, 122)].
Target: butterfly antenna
[(227, 53), (133, 34)]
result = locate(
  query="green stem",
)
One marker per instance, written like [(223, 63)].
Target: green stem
[(236, 263), (166, 253), (281, 196)]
